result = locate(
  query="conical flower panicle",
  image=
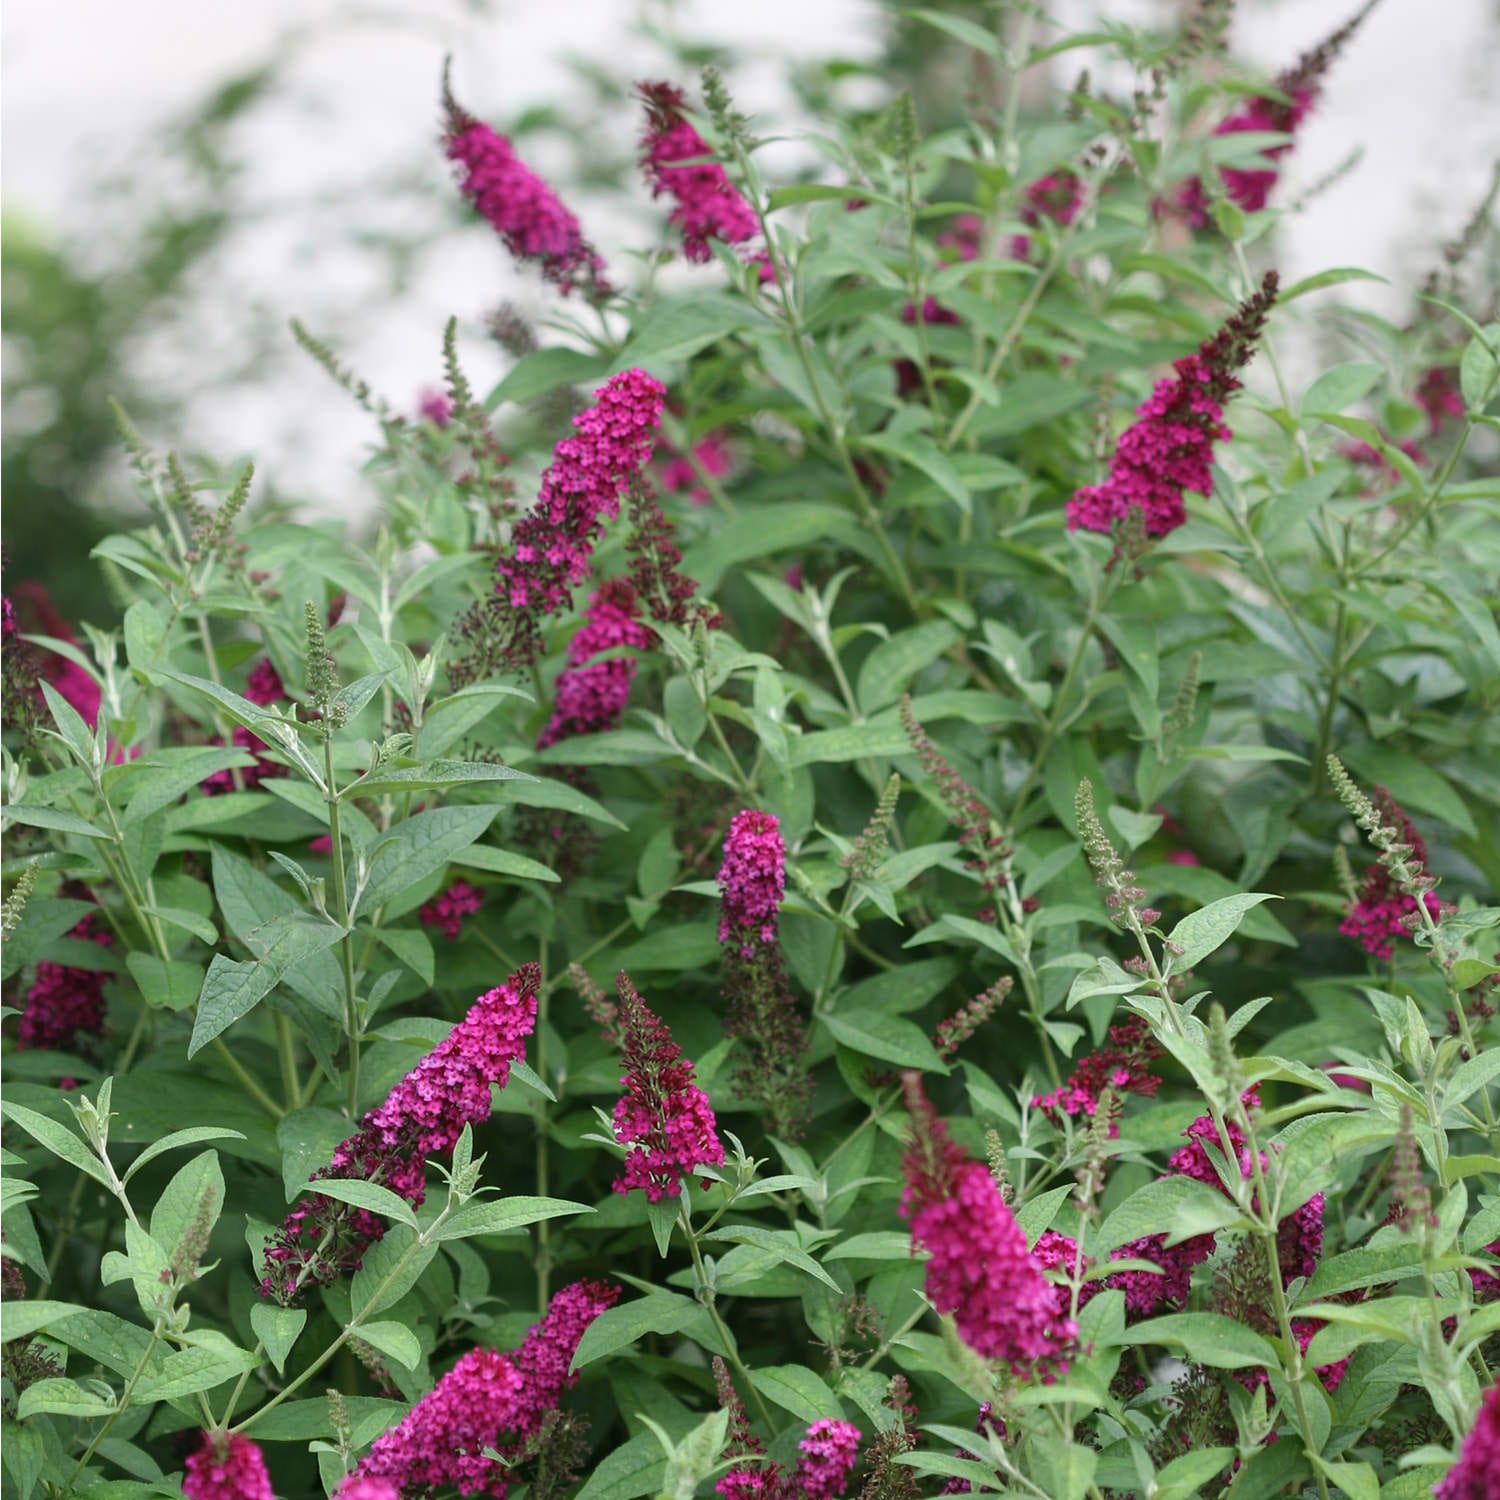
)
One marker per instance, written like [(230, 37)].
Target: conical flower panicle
[(1167, 451), (663, 1114), (553, 543), (1298, 89), (424, 1115), (226, 1466), (981, 1270), (761, 1009), (523, 210), (487, 1400), (707, 205)]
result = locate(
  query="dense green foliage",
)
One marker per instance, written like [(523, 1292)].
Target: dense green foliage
[(966, 717)]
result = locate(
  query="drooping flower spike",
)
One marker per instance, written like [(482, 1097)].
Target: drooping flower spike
[(524, 211), (553, 543), (1297, 91), (980, 1270), (707, 205), (423, 1116), (1166, 452), (487, 1400), (664, 1115)]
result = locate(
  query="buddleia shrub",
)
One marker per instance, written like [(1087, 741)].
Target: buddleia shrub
[(878, 881)]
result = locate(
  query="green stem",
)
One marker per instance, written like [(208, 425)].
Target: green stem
[(125, 1395), (286, 1051), (1099, 596), (706, 1298), (247, 1080), (798, 332), (543, 1239), (1427, 506), (421, 1242), (341, 912)]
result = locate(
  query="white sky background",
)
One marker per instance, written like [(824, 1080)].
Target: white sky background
[(85, 82)]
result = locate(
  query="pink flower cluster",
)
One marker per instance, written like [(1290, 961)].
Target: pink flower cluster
[(663, 1113), (436, 407), (355, 1488), (63, 1002), (1381, 909), (981, 1270), (524, 211), (226, 1466), (1249, 187), (1123, 1065), (422, 1116), (752, 880), (447, 910), (678, 473), (487, 1400), (1476, 1474), (1299, 1240), (590, 696), (589, 473), (708, 205), (830, 1450), (1057, 196), (263, 687), (1167, 450), (1298, 89)]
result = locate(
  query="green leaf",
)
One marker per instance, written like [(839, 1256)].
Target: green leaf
[(64, 1398), (155, 781), (1207, 1337), (390, 1269), (890, 667), (618, 1327), (877, 1244), (58, 1139), (165, 985), (635, 1468), (924, 455), (1178, 1207), (1186, 1475), (19, 1320), (674, 329), (56, 818), (781, 1243), (413, 948), (1478, 369), (544, 370), (194, 1197), (1479, 1072), (278, 1329), (394, 1340), (1208, 929), (502, 1215), (1412, 783), (889, 1038), (1335, 276), (370, 1195), (418, 847), (449, 719), (436, 773), (960, 28), (231, 990), (502, 862), (796, 1389), (1340, 387), (188, 1371), (853, 742), (791, 526), (191, 1136)]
